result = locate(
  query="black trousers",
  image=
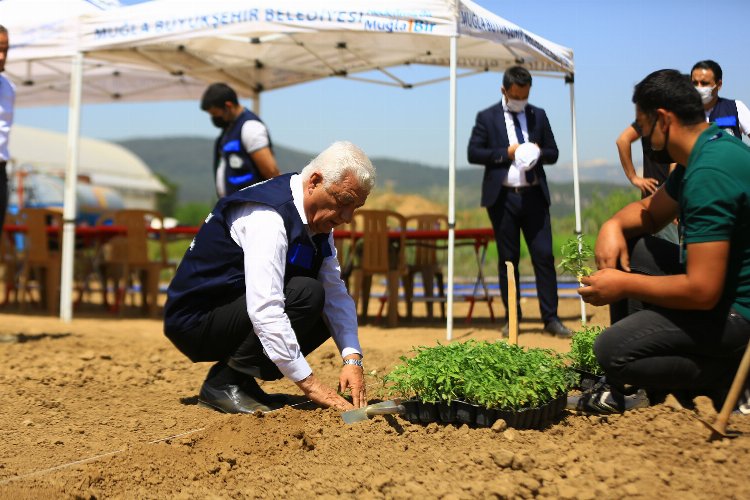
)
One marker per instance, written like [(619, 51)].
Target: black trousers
[(226, 333), (670, 350), (527, 212)]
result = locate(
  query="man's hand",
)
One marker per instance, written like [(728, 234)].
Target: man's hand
[(320, 393), (352, 377), (603, 287), (611, 247), (647, 185)]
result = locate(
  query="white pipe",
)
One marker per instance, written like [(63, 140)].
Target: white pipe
[(256, 104), (69, 196), (576, 187), (451, 184)]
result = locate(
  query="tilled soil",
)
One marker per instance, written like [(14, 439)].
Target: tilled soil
[(106, 408)]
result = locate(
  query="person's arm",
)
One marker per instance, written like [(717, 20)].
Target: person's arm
[(743, 115), (700, 288), (624, 143), (341, 315), (547, 145), (645, 216), (260, 233), (479, 151), (257, 144), (710, 201), (266, 163)]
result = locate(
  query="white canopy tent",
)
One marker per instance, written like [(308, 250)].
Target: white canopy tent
[(263, 45)]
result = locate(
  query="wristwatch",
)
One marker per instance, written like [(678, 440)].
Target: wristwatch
[(357, 362)]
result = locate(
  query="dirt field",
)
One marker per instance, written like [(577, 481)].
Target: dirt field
[(106, 408)]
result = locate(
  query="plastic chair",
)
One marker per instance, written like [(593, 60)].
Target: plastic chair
[(125, 258), (377, 253), (426, 262)]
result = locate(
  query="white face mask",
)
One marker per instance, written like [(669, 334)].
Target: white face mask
[(707, 93), (516, 105)]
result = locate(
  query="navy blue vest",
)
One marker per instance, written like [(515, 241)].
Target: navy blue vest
[(212, 271), (240, 170), (724, 114)]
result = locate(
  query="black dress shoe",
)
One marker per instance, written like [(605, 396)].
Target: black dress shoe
[(558, 329), (229, 398)]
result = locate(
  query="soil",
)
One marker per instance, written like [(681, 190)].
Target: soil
[(104, 407)]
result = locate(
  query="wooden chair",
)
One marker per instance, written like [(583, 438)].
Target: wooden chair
[(10, 261), (125, 258), (41, 256), (376, 253), (424, 260)]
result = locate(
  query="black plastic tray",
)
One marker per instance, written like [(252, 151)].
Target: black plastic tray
[(456, 411)]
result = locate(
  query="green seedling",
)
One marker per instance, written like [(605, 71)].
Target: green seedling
[(575, 256), (494, 375), (582, 350)]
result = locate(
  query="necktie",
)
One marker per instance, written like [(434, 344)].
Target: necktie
[(517, 125), (519, 135)]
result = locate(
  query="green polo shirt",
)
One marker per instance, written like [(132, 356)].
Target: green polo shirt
[(714, 196)]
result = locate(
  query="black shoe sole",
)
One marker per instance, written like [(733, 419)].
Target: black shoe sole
[(210, 406)]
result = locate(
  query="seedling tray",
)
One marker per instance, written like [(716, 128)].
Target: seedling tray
[(418, 411)]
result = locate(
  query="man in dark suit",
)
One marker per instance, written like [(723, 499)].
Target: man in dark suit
[(513, 140)]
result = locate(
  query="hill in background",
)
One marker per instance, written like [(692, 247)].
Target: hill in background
[(186, 162)]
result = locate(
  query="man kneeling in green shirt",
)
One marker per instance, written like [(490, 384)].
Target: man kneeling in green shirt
[(688, 314)]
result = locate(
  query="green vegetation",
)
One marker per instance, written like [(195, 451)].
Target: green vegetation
[(582, 350), (494, 375), (575, 256), (194, 213)]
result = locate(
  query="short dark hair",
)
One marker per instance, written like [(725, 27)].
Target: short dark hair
[(3, 29), (517, 75), (671, 90), (216, 95), (709, 64)]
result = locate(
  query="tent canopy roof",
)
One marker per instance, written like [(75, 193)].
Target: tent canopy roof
[(172, 48)]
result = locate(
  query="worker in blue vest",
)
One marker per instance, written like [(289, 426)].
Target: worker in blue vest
[(243, 153), (260, 287), (729, 114)]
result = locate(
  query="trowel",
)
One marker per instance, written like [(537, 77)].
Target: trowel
[(390, 407)]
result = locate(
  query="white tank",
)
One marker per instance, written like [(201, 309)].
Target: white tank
[(43, 190)]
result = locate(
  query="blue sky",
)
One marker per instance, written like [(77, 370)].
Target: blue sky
[(616, 43)]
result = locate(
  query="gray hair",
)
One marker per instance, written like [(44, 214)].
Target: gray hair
[(339, 159)]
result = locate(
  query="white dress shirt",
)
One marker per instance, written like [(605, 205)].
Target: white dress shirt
[(7, 101), (516, 173), (259, 230)]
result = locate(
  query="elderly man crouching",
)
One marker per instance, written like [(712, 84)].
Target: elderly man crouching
[(260, 287)]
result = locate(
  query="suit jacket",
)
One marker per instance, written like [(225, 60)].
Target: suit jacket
[(489, 143)]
